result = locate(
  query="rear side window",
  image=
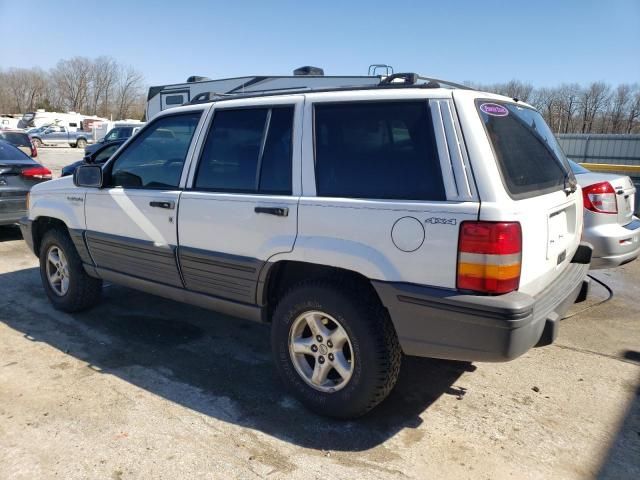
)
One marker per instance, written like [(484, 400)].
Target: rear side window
[(383, 150), (249, 151), (530, 159), (9, 152), (16, 138)]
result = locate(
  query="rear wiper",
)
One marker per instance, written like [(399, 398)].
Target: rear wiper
[(570, 183)]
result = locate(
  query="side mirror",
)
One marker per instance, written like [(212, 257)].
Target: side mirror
[(88, 176)]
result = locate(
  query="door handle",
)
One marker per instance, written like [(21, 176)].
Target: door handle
[(163, 204), (277, 211)]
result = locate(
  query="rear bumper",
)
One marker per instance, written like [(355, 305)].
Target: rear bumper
[(613, 244), (433, 322), (11, 210)]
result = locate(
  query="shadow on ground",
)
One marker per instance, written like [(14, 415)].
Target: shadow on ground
[(9, 233), (212, 364), (619, 461)]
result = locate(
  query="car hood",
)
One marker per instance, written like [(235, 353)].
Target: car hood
[(58, 184)]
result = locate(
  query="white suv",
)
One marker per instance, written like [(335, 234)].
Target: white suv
[(360, 223)]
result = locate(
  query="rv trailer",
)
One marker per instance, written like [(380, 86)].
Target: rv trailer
[(203, 88)]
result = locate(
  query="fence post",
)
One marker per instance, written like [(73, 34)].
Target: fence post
[(586, 146)]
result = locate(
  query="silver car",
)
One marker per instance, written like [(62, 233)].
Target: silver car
[(609, 223)]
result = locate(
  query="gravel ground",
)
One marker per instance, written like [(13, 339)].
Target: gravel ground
[(142, 387)]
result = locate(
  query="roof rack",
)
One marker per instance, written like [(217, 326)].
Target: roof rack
[(395, 80)]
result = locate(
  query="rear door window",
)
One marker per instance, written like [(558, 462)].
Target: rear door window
[(381, 150), (529, 157), (248, 151)]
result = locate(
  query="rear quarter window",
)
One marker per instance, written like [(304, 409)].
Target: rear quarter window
[(377, 150), (16, 138), (530, 159)]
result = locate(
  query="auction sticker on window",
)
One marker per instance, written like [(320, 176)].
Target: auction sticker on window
[(494, 110)]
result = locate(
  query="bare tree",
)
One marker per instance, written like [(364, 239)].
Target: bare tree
[(24, 88), (634, 110), (127, 92), (517, 89), (546, 100), (72, 77), (592, 101), (104, 75), (568, 98)]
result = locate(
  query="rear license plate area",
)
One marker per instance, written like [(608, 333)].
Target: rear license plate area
[(560, 229)]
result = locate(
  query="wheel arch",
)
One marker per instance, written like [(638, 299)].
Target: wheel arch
[(41, 226), (278, 277)]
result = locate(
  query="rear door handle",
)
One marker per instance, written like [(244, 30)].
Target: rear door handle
[(163, 204), (277, 211)]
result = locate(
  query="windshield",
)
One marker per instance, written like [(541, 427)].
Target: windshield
[(529, 156)]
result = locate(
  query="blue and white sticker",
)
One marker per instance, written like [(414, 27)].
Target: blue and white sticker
[(494, 110)]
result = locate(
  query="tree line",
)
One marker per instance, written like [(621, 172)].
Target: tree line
[(99, 86), (106, 88), (573, 108)]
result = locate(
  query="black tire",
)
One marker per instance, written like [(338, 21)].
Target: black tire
[(83, 291), (374, 343), (37, 142), (81, 143)]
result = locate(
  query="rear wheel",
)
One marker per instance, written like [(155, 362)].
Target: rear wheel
[(37, 142), (81, 143), (335, 348), (67, 285)]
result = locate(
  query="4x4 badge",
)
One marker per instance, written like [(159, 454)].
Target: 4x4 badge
[(443, 221)]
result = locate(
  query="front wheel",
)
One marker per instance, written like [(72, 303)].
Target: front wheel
[(335, 348), (65, 282), (81, 143)]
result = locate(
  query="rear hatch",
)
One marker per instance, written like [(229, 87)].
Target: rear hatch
[(542, 191)]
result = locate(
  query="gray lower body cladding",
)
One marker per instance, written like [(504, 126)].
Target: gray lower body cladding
[(440, 323), (219, 274), (134, 257)]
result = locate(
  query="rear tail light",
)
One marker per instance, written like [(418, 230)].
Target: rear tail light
[(40, 173), (489, 257), (600, 198), (34, 150)]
